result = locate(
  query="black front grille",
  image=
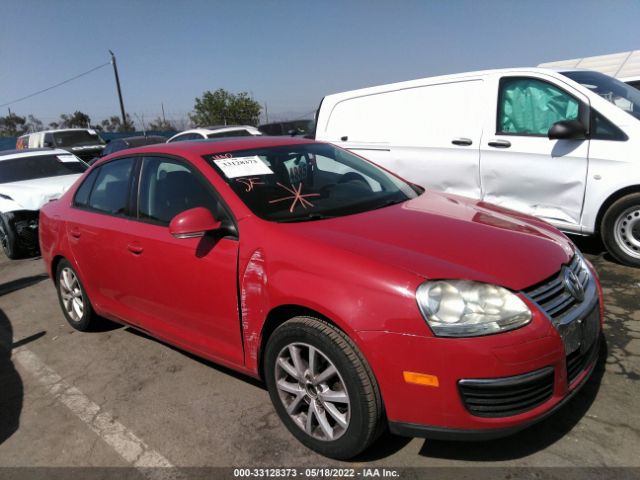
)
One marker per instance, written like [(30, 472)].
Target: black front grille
[(502, 397), (552, 296)]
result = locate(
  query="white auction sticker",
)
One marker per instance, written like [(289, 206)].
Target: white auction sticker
[(68, 158), (243, 166)]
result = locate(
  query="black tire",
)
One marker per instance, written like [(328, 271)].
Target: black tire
[(365, 415), (9, 240), (619, 240), (88, 320)]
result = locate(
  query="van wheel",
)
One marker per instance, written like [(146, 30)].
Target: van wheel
[(9, 240), (73, 299), (322, 388), (621, 230)]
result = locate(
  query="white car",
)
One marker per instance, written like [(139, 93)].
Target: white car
[(28, 180), (563, 146), (222, 131)]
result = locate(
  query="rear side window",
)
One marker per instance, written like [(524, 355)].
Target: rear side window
[(527, 106), (82, 194), (111, 189)]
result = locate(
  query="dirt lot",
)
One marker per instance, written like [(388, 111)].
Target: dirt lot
[(118, 398)]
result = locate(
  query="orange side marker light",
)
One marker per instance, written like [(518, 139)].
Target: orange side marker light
[(421, 379)]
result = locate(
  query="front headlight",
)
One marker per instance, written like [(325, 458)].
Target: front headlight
[(463, 308)]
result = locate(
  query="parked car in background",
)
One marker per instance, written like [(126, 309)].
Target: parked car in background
[(562, 146), (129, 142), (361, 300), (28, 180), (82, 142), (220, 131), (292, 128)]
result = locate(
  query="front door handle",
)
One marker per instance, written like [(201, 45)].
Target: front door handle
[(462, 141), (500, 143), (75, 233), (135, 248)]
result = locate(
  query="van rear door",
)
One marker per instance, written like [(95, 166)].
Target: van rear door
[(520, 167)]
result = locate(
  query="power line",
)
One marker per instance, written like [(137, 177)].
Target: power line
[(56, 85)]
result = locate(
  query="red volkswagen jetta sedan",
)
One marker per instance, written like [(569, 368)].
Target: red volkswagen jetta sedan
[(361, 300)]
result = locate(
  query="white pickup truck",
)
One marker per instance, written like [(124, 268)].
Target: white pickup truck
[(563, 146)]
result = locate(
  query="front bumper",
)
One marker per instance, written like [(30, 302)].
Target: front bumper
[(24, 224), (443, 433), (511, 358)]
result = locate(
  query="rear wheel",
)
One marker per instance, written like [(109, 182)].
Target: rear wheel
[(73, 298), (621, 230), (9, 240), (322, 388)]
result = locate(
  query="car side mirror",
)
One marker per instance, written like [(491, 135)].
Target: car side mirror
[(567, 130), (48, 144), (192, 223)]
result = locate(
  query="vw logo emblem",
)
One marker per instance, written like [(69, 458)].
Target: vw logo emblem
[(573, 285)]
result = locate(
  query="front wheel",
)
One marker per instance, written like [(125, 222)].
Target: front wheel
[(322, 388), (621, 230), (9, 240)]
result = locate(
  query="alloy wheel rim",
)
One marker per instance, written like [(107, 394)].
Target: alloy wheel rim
[(71, 293), (627, 231), (312, 391)]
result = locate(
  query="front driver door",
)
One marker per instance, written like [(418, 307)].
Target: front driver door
[(185, 289), (520, 168)]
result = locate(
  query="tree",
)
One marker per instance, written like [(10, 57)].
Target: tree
[(34, 124), (161, 125), (13, 126), (76, 119), (224, 108), (114, 124)]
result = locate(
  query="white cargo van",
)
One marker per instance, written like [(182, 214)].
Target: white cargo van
[(563, 146)]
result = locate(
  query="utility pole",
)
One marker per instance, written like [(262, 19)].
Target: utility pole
[(266, 113), (164, 120), (115, 71)]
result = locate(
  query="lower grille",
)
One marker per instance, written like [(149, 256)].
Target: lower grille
[(503, 397), (577, 362)]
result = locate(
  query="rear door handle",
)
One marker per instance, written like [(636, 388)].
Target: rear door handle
[(462, 141), (75, 233), (500, 143), (135, 248)]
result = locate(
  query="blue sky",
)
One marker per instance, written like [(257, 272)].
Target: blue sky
[(287, 54)]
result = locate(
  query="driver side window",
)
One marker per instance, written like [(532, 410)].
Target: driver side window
[(527, 106), (169, 187)]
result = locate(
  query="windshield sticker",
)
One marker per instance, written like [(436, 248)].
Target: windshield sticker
[(296, 196), (249, 183), (68, 158), (243, 166)]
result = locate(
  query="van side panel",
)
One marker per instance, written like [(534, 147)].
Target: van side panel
[(429, 134)]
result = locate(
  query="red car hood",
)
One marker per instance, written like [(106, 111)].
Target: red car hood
[(445, 236)]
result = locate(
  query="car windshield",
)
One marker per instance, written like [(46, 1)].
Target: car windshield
[(40, 166), (619, 93), (77, 138), (295, 183)]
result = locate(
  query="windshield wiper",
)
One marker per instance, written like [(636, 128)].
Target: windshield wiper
[(306, 218)]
